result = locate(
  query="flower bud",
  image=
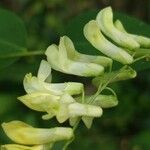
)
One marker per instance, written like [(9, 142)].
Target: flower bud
[(77, 109), (94, 36), (105, 22), (23, 133), (143, 41), (124, 73), (106, 101)]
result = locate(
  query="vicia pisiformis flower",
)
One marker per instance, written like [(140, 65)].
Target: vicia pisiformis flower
[(55, 98), (25, 134), (73, 54), (129, 45), (70, 101), (38, 84), (59, 60), (105, 22), (97, 39)]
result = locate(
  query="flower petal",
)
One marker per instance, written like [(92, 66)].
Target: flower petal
[(44, 71), (33, 84), (143, 41), (76, 56), (53, 58), (75, 67), (23, 133), (77, 109), (40, 101), (71, 88)]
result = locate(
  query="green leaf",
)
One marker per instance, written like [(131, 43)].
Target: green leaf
[(74, 29), (12, 37)]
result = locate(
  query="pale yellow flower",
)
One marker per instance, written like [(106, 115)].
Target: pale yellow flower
[(63, 107), (58, 58), (38, 84), (73, 54), (105, 22), (25, 134), (93, 34), (143, 41)]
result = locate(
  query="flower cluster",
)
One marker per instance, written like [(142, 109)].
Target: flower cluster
[(66, 101)]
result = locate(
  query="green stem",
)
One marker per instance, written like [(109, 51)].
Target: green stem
[(70, 141), (111, 90), (96, 94), (142, 52), (83, 96), (139, 58), (101, 87), (76, 124), (23, 54)]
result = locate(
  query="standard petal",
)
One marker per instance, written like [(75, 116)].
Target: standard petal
[(53, 57), (105, 22), (96, 38), (33, 84), (59, 60), (44, 71), (75, 67), (23, 133)]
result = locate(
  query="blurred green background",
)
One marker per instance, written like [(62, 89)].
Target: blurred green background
[(125, 127)]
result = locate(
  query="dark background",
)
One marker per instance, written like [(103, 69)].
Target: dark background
[(125, 127)]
